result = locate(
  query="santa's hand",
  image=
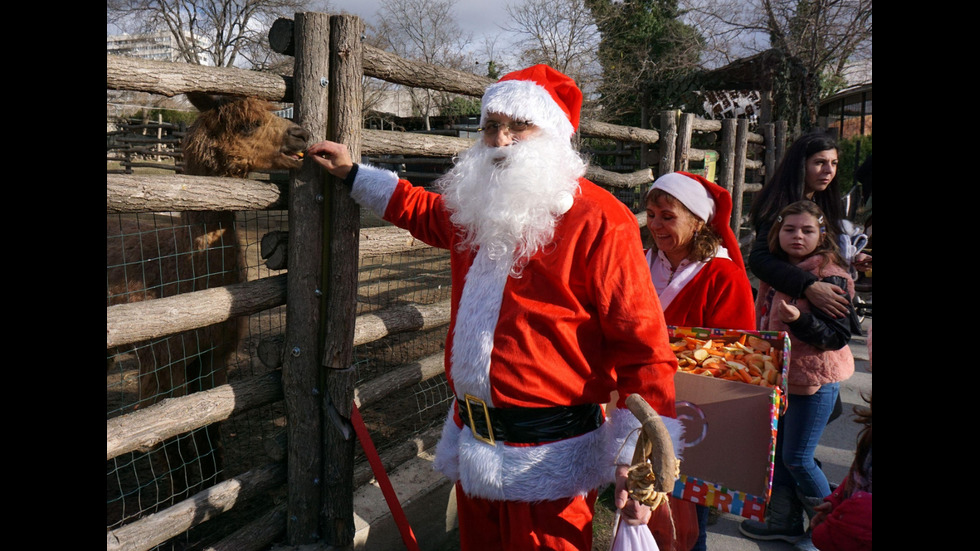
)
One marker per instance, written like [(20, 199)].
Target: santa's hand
[(633, 511), (332, 156)]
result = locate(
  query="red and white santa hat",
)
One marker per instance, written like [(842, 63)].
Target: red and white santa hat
[(538, 94), (706, 200)]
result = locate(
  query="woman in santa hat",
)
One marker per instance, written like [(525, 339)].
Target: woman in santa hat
[(698, 272)]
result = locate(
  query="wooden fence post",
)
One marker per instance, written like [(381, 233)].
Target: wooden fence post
[(726, 176), (343, 223), (769, 142), (782, 132), (301, 364), (684, 131), (738, 183), (668, 141)]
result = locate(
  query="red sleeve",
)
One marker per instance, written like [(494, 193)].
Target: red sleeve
[(730, 304), (632, 322), (422, 213)]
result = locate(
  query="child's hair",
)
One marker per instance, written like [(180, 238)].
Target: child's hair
[(826, 247), (705, 242), (860, 464)]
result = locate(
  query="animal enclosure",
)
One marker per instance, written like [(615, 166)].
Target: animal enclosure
[(225, 401)]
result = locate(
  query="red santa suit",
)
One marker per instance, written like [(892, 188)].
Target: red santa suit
[(581, 321), (718, 296)]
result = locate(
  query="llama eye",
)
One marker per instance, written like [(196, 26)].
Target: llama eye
[(248, 128)]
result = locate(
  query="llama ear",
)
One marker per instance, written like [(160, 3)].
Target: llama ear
[(203, 102)]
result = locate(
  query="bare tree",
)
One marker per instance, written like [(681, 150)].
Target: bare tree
[(816, 38), (424, 30), (222, 33), (559, 33)]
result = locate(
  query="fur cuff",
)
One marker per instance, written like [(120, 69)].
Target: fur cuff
[(373, 188)]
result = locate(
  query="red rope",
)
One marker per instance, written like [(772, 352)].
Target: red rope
[(408, 537)]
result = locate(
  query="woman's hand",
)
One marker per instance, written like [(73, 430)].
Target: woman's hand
[(829, 298), (787, 313), (862, 262), (633, 511), (332, 156)]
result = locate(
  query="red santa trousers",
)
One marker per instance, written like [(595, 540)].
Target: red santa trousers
[(560, 525)]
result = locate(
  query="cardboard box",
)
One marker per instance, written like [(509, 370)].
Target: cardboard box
[(731, 430)]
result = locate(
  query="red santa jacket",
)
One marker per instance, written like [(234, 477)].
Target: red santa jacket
[(719, 296), (581, 321)]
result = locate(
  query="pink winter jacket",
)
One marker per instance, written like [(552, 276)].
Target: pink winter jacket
[(810, 367)]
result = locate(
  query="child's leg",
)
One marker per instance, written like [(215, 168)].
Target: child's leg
[(804, 423)]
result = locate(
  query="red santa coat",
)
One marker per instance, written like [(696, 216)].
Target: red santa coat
[(581, 321), (719, 296)]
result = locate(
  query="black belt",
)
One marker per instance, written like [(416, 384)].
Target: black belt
[(527, 425)]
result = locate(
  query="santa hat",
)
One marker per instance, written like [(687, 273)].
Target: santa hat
[(709, 202), (538, 94)]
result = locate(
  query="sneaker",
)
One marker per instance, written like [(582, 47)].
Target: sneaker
[(766, 531)]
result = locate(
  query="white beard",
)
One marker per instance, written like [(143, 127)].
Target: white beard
[(508, 200)]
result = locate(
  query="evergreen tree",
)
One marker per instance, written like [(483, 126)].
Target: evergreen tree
[(646, 53)]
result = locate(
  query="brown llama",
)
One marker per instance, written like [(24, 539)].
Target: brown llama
[(231, 137)]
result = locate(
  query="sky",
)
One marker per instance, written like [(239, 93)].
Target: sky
[(481, 17)]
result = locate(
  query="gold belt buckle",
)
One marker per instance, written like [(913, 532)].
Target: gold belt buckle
[(470, 400)]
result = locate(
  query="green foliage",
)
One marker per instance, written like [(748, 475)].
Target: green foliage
[(853, 152), (461, 106), (644, 44), (492, 70), (171, 116)]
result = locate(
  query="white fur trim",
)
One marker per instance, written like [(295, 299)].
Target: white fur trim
[(556, 470), (524, 99), (373, 188), (476, 321)]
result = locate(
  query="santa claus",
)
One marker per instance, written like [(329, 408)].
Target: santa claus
[(552, 310)]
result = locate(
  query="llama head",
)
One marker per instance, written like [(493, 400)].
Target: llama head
[(233, 136)]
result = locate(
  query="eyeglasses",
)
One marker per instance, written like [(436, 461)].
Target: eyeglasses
[(515, 128)]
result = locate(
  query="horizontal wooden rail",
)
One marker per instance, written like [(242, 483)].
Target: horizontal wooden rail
[(399, 378), (399, 319), (157, 528), (169, 79), (150, 319), (145, 428), (257, 535), (128, 193)]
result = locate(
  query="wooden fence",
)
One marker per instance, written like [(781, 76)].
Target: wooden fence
[(139, 144), (316, 384)]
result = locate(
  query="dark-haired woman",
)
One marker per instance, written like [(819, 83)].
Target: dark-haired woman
[(807, 171)]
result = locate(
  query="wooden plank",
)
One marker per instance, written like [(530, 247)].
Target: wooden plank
[(341, 235), (157, 528), (129, 193), (171, 78), (145, 428), (150, 319), (301, 364)]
